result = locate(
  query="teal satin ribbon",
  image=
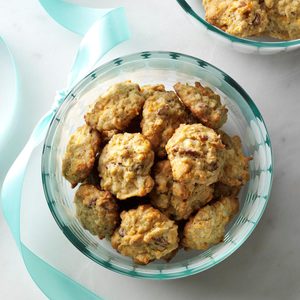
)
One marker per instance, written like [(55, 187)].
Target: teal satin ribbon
[(102, 30)]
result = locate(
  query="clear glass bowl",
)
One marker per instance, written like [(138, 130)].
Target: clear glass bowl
[(260, 45), (148, 68)]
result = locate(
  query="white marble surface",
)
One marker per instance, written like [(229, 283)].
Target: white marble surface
[(267, 266)]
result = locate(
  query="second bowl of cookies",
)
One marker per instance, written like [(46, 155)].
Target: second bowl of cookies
[(248, 26)]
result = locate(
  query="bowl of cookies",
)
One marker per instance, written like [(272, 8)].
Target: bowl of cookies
[(157, 165), (249, 26)]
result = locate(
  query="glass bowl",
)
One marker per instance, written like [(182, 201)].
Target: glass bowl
[(244, 119), (260, 45)]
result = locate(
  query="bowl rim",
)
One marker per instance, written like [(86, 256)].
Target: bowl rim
[(282, 44), (70, 235)]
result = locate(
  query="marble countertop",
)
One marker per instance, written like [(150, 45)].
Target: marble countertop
[(267, 266)]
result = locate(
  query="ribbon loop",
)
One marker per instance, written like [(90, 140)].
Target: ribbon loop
[(78, 19), (103, 29), (105, 34)]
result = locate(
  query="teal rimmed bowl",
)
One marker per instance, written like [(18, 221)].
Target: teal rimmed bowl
[(147, 68), (260, 45)]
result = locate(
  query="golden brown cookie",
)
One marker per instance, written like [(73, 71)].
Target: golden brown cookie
[(116, 108), (203, 103), (196, 154), (207, 227), (125, 164), (236, 165), (145, 234), (162, 114), (284, 19), (241, 18), (177, 200), (96, 210), (80, 154)]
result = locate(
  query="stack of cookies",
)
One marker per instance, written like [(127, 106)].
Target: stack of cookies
[(156, 173)]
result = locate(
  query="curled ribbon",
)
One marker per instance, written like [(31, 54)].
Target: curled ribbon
[(103, 29)]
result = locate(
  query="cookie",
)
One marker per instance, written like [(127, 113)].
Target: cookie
[(145, 234), (125, 164), (207, 227), (177, 200), (196, 154), (114, 110), (204, 104), (241, 18), (80, 154), (236, 165), (284, 19), (162, 114), (96, 210)]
